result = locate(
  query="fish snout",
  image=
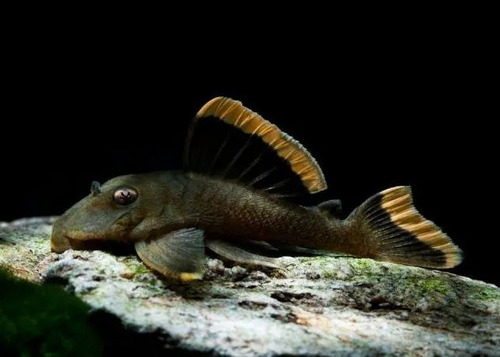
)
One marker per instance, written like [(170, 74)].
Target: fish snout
[(59, 241), (59, 244)]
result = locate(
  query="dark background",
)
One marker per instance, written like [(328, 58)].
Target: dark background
[(375, 112)]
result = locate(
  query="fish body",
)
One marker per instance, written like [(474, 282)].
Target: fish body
[(239, 168), (190, 200)]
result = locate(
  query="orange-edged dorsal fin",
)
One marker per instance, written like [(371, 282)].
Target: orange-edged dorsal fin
[(238, 149)]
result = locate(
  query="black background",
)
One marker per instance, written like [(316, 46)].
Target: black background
[(375, 111)]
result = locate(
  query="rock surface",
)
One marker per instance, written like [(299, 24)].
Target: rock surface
[(321, 306)]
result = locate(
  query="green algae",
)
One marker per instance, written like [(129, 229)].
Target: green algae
[(141, 269), (484, 293), (427, 286)]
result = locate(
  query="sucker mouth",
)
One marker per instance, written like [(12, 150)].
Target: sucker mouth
[(60, 244), (64, 241)]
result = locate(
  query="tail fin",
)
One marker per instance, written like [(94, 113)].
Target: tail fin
[(400, 234)]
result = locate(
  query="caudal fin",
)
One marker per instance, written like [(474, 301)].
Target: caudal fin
[(398, 233)]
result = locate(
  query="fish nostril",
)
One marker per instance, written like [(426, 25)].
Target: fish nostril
[(95, 188)]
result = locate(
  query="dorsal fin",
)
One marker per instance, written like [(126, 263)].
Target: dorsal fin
[(230, 141)]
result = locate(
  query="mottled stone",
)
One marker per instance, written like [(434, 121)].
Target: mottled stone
[(325, 305)]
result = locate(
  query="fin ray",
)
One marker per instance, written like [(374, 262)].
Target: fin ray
[(399, 233), (179, 254), (254, 134), (240, 255)]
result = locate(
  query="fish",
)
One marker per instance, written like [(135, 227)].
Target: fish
[(241, 175)]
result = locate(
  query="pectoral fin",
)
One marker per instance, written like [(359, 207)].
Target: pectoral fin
[(179, 254)]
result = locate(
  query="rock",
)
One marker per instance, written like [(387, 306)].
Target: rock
[(320, 306)]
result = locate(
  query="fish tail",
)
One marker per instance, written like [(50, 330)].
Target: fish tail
[(391, 229)]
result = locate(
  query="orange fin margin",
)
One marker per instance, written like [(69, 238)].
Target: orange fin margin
[(301, 161)]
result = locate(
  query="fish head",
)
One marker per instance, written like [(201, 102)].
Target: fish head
[(111, 212)]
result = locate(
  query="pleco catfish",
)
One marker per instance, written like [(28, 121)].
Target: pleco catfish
[(239, 171)]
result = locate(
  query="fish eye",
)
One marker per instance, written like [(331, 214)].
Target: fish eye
[(125, 195)]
